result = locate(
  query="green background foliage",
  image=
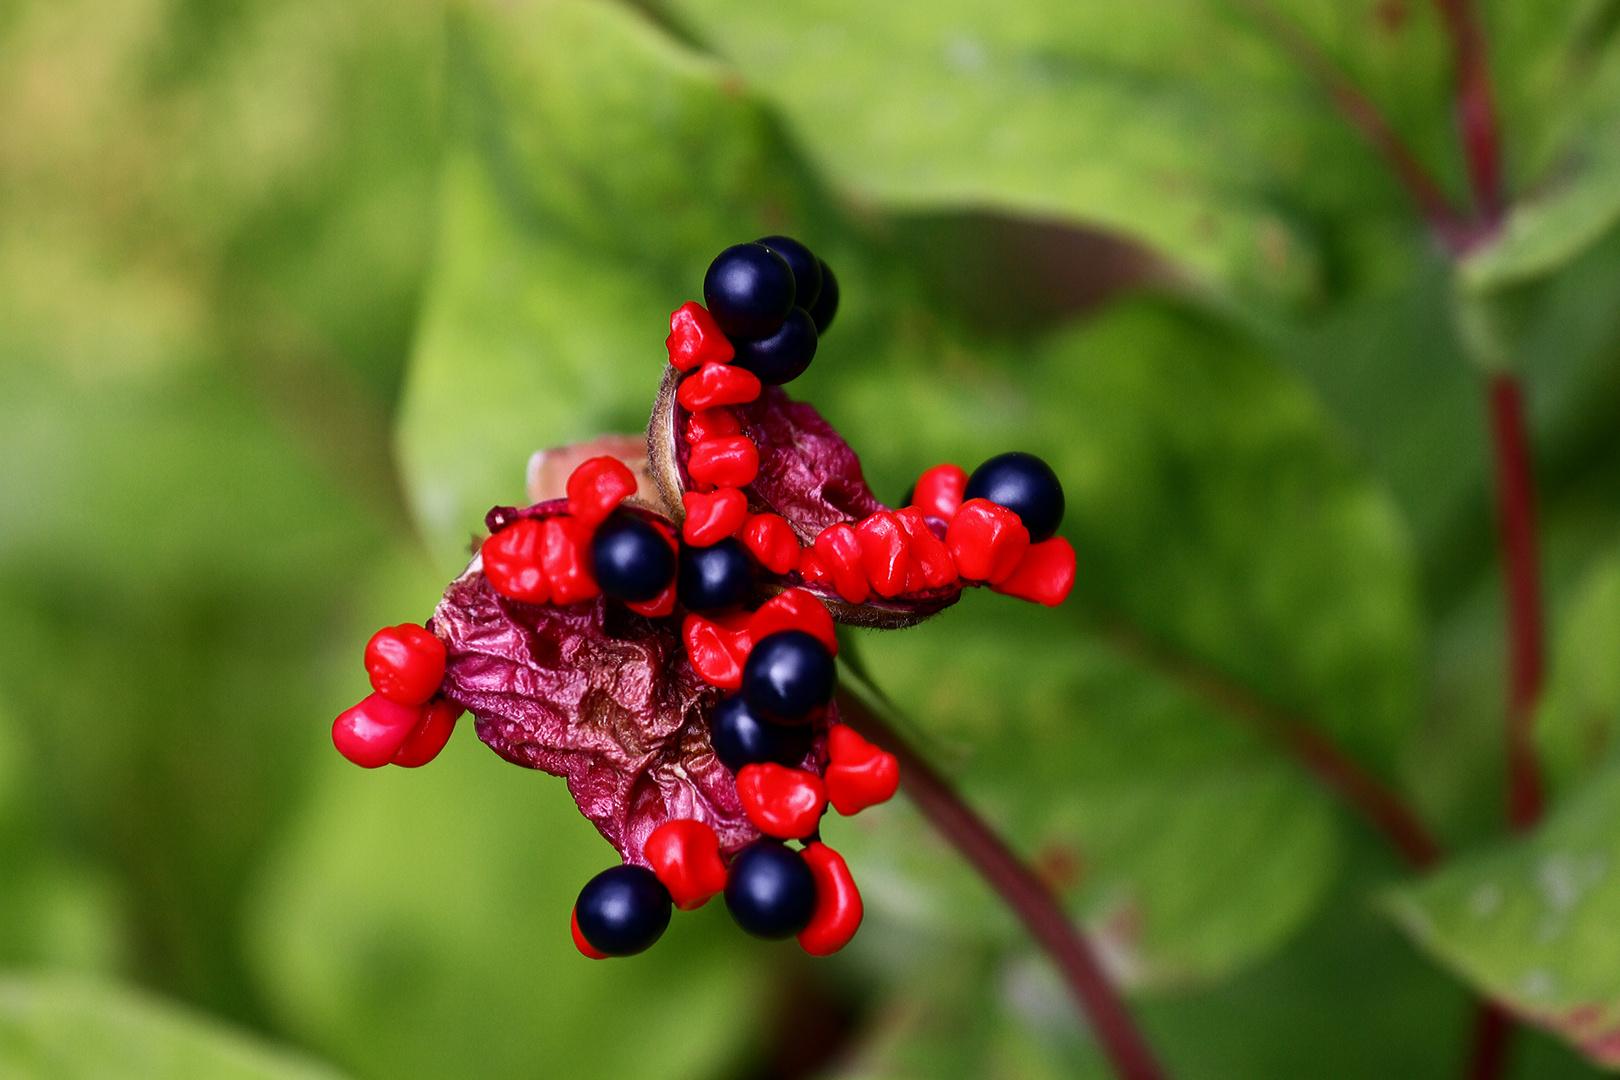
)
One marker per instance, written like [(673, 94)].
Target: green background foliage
[(289, 292)]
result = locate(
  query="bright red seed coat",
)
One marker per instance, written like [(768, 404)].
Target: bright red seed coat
[(685, 854), (838, 902), (596, 487), (728, 461), (782, 802), (710, 518), (939, 491), (1044, 575), (371, 733), (883, 553), (934, 564), (812, 569), (710, 424), (717, 384), (986, 541), (405, 662), (695, 339), (425, 741), (565, 553), (840, 551), (858, 774), (716, 652), (511, 560), (773, 542), (794, 609)]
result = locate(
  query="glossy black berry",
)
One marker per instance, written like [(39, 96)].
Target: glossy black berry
[(631, 559), (714, 577), (826, 305), (741, 738), (805, 266), (788, 676), (1024, 484), (622, 911), (770, 890), (784, 355), (749, 291)]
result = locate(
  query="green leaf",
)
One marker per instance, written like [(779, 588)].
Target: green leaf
[(1221, 530), (55, 1027), (416, 924), (1548, 230), (1185, 844), (1211, 506), (1579, 715), (559, 262), (169, 576), (1347, 998), (1531, 922), (1186, 126)]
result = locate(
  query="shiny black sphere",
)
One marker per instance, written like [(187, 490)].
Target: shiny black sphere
[(715, 577), (805, 266), (622, 911), (784, 355), (631, 559), (1024, 484), (788, 676), (749, 291), (826, 305), (770, 890), (741, 738)]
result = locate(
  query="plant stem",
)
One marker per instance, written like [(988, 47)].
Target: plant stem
[(1493, 1033), (1516, 528), (1383, 807), (1042, 915), (1358, 109), (1476, 110)]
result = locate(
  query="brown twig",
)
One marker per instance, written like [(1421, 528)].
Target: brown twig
[(1362, 114), (1383, 808), (1042, 915)]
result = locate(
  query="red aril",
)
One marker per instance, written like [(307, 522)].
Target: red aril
[(371, 733), (405, 662), (685, 854)]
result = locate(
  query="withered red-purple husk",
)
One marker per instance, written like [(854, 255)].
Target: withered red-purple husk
[(596, 694), (807, 473)]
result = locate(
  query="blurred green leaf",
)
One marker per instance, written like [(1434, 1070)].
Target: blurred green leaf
[(1545, 232), (558, 264), (169, 576), (1576, 724), (1214, 513), (1186, 126), (61, 1028), (415, 924), (1187, 846), (1221, 531), (1531, 922), (1345, 999)]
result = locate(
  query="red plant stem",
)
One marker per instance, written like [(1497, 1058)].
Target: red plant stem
[(1516, 527), (1358, 109), (1383, 807), (1476, 109), (1045, 919), (1493, 1031)]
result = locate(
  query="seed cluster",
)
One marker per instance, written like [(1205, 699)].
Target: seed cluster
[(751, 589)]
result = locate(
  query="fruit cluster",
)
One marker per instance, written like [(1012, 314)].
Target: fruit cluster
[(675, 659)]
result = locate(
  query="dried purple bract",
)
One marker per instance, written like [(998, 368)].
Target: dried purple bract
[(596, 694)]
